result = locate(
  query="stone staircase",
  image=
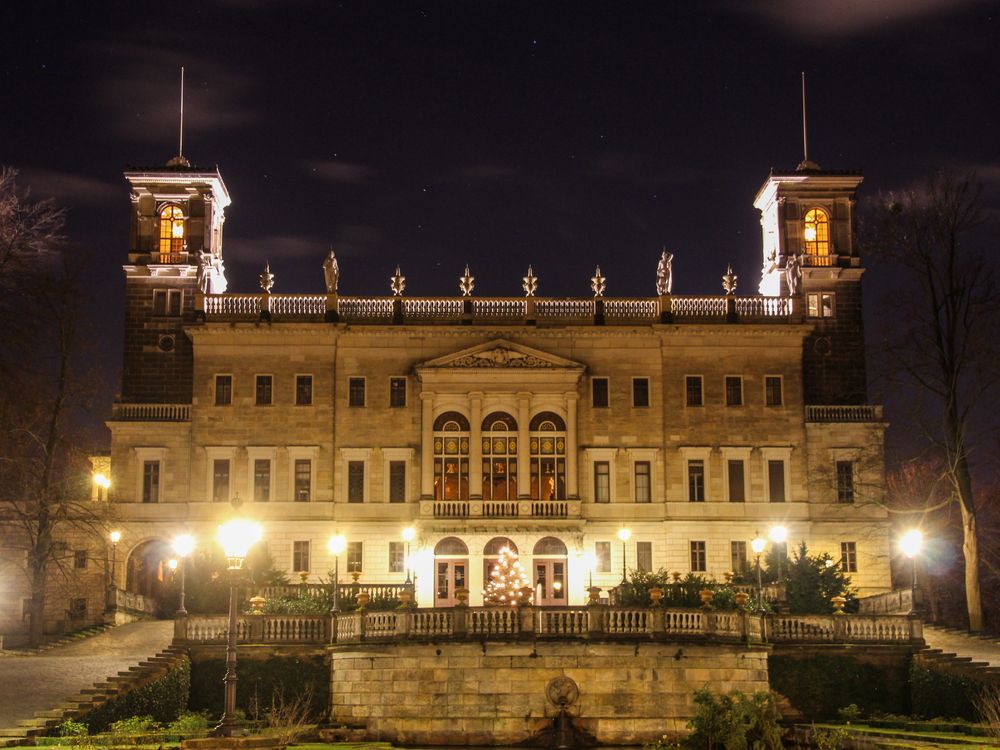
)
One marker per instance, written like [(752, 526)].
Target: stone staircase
[(93, 697), (60, 640)]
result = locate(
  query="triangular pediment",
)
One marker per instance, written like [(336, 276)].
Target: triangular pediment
[(501, 354)]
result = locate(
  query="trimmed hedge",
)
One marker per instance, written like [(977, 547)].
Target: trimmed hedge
[(940, 693), (818, 685), (163, 699), (261, 681)]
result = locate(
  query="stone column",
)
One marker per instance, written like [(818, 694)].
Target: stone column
[(523, 448), (427, 445), (476, 446), (572, 462)]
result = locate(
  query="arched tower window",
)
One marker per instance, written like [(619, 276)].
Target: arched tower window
[(499, 457), (171, 230), (548, 456), (451, 457), (816, 233)]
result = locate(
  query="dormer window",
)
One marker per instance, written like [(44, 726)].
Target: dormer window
[(816, 233), (171, 230)]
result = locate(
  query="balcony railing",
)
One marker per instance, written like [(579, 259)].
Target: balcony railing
[(151, 412), (846, 413), (503, 509)]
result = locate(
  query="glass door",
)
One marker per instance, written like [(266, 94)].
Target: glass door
[(550, 583), (449, 575)]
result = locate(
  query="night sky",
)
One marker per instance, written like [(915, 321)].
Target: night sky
[(495, 133)]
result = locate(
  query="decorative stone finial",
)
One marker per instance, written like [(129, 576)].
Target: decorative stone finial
[(598, 283), (664, 273), (729, 280), (397, 283), (267, 278), (331, 272), (529, 283), (466, 283)]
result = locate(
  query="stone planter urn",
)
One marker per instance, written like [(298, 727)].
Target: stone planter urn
[(526, 592), (463, 597), (838, 604), (257, 605), (706, 598), (405, 597), (741, 598), (362, 599), (594, 594), (728, 576), (656, 594), (676, 575)]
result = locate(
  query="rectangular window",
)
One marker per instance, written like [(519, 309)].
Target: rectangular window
[(151, 481), (820, 305), (849, 557), (643, 485), (397, 557), (738, 557), (397, 392), (772, 390), (734, 390), (355, 555), (263, 391), (300, 557), (698, 557), (303, 480), (220, 480), (736, 474), (167, 302), (644, 557), (303, 390), (845, 481), (80, 559), (262, 480), (599, 393), (355, 481), (397, 481), (223, 390), (696, 481), (692, 387), (603, 552), (602, 482), (776, 481), (356, 391), (640, 391)]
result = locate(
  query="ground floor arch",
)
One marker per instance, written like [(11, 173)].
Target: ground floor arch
[(147, 569)]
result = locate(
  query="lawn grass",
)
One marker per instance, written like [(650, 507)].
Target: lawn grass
[(957, 739)]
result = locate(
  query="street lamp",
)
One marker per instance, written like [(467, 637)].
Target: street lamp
[(336, 546), (115, 536), (409, 533), (757, 544), (237, 537), (911, 543), (779, 535), (183, 545), (624, 534)]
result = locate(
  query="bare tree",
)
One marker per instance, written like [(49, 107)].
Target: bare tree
[(942, 336)]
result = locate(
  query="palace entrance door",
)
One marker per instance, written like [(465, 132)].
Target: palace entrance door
[(451, 571), (549, 566)]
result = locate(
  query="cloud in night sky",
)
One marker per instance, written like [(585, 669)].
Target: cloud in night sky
[(346, 239), (68, 189), (847, 17), (344, 172)]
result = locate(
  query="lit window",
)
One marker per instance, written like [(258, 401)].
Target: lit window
[(816, 233), (355, 556), (171, 230), (499, 443), (820, 305), (451, 457), (547, 447)]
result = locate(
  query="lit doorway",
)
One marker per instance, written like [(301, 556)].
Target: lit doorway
[(549, 566), (451, 570)]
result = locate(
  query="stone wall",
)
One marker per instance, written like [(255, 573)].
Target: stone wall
[(495, 693)]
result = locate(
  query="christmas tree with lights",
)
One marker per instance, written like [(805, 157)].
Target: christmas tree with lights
[(506, 580)]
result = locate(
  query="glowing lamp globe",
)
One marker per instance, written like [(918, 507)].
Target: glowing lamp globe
[(236, 538), (409, 534), (590, 560), (115, 536), (911, 543), (757, 545), (101, 480), (624, 534), (337, 544), (778, 534), (172, 563), (183, 544)]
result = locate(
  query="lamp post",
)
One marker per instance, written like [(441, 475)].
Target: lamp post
[(409, 533), (115, 536), (336, 546), (911, 543), (757, 544), (237, 537), (624, 534), (779, 535), (590, 560), (183, 545)]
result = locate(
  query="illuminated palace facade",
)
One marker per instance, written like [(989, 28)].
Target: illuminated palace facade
[(550, 425)]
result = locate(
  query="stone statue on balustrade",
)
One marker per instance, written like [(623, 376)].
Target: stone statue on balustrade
[(204, 278), (331, 273), (665, 273), (793, 273)]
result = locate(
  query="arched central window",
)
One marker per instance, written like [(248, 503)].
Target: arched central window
[(816, 233), (548, 457), (499, 457), (171, 230), (451, 457)]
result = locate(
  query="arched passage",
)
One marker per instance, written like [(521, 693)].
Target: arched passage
[(147, 571)]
